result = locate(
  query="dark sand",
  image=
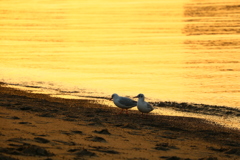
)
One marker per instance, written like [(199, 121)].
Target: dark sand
[(37, 126)]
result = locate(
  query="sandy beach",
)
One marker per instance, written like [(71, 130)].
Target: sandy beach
[(37, 126)]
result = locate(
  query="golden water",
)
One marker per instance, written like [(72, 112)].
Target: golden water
[(176, 50)]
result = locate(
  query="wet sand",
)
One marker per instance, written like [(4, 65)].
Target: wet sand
[(37, 126)]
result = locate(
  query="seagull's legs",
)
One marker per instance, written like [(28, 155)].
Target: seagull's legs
[(143, 115), (126, 110), (120, 112)]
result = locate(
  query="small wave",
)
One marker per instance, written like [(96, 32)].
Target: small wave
[(204, 109)]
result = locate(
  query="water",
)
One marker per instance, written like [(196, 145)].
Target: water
[(178, 50)]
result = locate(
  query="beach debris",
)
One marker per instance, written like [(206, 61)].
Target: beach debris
[(103, 131), (95, 139), (105, 150), (46, 115), (65, 143), (209, 158), (26, 108), (41, 140), (15, 117), (85, 152), (27, 150), (24, 123), (77, 132), (235, 151), (164, 146), (80, 152), (174, 158), (130, 126), (68, 133), (96, 122)]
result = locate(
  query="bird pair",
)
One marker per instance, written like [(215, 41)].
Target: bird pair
[(126, 103)]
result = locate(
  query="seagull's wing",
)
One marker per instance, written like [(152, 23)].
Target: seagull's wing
[(150, 106), (127, 102)]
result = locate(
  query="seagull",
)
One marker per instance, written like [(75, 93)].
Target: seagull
[(123, 102), (143, 106)]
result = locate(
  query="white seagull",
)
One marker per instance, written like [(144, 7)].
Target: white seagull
[(123, 102), (143, 106)]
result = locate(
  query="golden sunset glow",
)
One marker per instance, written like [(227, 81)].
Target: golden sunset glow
[(167, 50)]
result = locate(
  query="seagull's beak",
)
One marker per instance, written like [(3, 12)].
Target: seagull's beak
[(110, 98), (135, 97)]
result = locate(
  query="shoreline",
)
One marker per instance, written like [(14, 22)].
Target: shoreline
[(222, 115), (199, 108), (37, 126)]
